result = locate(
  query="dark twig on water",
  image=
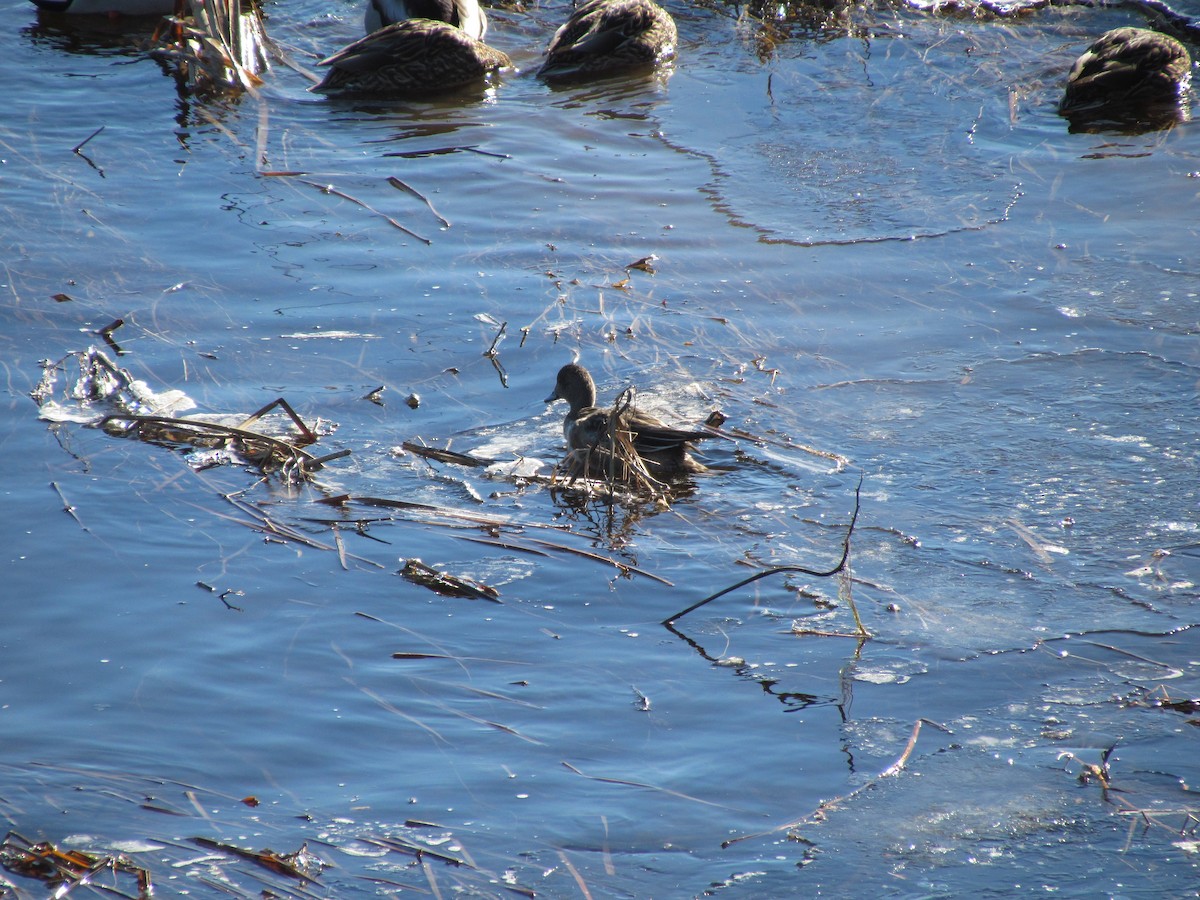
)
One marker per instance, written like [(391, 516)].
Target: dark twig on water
[(81, 144), (491, 351), (224, 598), (442, 151), (449, 585), (778, 569), (107, 333), (68, 508), (401, 186), (330, 189), (492, 354), (494, 359), (279, 402), (446, 456), (78, 151)]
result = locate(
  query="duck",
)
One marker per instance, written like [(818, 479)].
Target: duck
[(1127, 70), (607, 36), (663, 451), (411, 57), (464, 14)]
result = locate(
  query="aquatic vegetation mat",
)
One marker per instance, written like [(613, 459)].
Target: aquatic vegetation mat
[(338, 858), (103, 395), (65, 870), (216, 44)]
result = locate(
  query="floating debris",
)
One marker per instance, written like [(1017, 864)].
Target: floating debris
[(447, 456), (645, 264), (108, 397), (215, 44), (301, 865), (101, 382), (449, 585), (65, 868)]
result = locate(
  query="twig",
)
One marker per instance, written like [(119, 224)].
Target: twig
[(179, 430), (491, 352), (107, 333), (494, 359), (330, 189), (825, 806), (79, 146), (583, 888), (441, 151), (400, 185), (622, 566), (642, 784), (67, 507), (446, 584), (309, 437), (311, 465), (446, 456), (778, 569)]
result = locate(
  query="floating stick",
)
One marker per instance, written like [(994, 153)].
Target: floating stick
[(777, 569)]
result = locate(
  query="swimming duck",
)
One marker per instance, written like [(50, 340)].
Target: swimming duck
[(604, 36), (416, 56), (1130, 69), (464, 14), (663, 450)]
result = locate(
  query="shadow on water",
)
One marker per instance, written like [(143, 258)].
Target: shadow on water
[(100, 36)]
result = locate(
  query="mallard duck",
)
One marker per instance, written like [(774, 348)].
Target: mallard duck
[(662, 449), (416, 56), (465, 14), (604, 36), (1127, 69)]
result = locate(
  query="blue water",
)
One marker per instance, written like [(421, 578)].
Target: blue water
[(877, 244)]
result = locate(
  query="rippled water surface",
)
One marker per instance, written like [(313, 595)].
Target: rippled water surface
[(879, 252)]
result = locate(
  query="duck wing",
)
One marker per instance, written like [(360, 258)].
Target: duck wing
[(653, 439), (609, 34), (1127, 65), (413, 55)]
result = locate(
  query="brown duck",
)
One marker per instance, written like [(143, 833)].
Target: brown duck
[(415, 56), (1127, 70), (663, 450), (606, 36)]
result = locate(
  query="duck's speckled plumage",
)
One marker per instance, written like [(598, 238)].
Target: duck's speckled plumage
[(1127, 68), (604, 36), (413, 57), (663, 450)]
